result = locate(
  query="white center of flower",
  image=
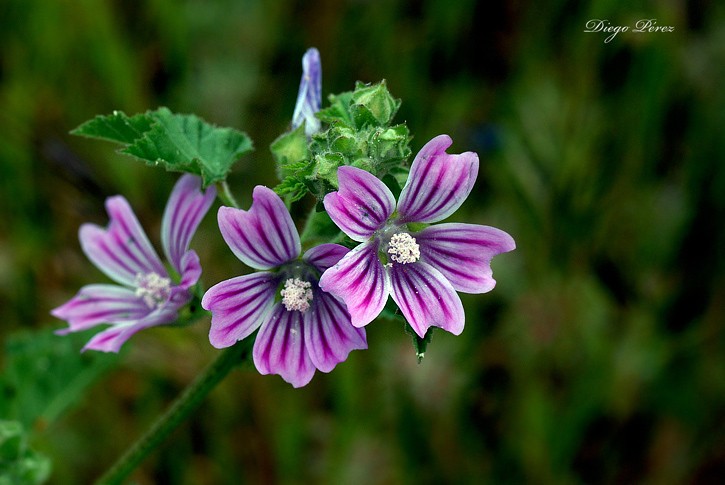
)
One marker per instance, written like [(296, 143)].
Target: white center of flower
[(153, 288), (403, 249), (296, 295)]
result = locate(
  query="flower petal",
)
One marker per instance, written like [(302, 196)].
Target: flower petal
[(281, 349), (263, 237), (96, 304), (360, 280), (239, 306), (438, 182), (186, 208), (329, 334), (309, 97), (361, 205), (463, 253), (122, 250), (325, 255), (111, 339), (190, 269), (426, 298)]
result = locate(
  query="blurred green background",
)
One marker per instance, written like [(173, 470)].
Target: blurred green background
[(598, 358)]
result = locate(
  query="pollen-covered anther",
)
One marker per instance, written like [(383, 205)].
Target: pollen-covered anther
[(403, 249), (153, 288), (296, 295)]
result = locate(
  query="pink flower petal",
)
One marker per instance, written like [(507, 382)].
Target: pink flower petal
[(463, 253), (438, 182), (111, 339), (239, 306), (361, 205), (186, 208), (96, 304), (122, 250), (426, 298), (325, 255), (263, 237), (281, 349), (329, 334), (190, 269), (360, 280)]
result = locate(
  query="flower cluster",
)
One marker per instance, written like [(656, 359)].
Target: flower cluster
[(307, 308)]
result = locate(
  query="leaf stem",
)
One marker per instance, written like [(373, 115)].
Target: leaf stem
[(191, 398), (225, 194)]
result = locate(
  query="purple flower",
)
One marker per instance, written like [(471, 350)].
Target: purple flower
[(421, 270), (309, 97), (301, 328), (148, 295)]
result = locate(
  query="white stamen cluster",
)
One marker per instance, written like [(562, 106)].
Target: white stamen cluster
[(153, 288), (403, 249), (296, 295)]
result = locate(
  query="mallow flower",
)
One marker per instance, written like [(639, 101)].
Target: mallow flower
[(147, 294), (301, 328), (309, 97), (420, 269)]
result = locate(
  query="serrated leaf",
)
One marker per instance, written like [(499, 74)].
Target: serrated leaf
[(177, 142), (116, 127)]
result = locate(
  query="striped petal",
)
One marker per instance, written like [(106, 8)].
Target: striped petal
[(121, 250), (190, 269), (186, 208), (426, 298), (96, 304), (438, 182), (111, 339), (329, 334), (239, 306), (463, 253), (309, 97), (280, 348), (325, 255), (361, 205), (263, 237), (360, 280)]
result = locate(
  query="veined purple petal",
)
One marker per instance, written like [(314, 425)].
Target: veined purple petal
[(438, 182), (426, 298), (360, 280), (190, 269), (186, 208), (263, 237), (309, 97), (280, 347), (361, 205), (463, 253), (96, 304), (329, 334), (112, 338), (122, 250), (239, 306), (325, 255)]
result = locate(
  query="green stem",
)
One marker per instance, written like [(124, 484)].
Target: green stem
[(225, 194), (176, 414)]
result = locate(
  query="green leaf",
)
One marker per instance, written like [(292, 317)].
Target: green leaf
[(177, 142), (116, 127), (20, 465), (44, 374)]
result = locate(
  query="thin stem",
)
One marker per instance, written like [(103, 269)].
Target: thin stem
[(177, 413), (225, 194)]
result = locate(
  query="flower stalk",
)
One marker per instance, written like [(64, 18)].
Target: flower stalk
[(179, 411)]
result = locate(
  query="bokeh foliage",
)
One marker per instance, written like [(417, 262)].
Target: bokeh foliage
[(599, 357)]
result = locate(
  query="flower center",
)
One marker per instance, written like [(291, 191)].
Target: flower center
[(296, 295), (403, 249), (153, 288)]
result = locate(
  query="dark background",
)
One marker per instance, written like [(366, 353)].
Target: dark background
[(598, 358)]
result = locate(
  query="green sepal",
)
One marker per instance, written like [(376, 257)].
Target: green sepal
[(420, 345), (373, 104), (177, 142)]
